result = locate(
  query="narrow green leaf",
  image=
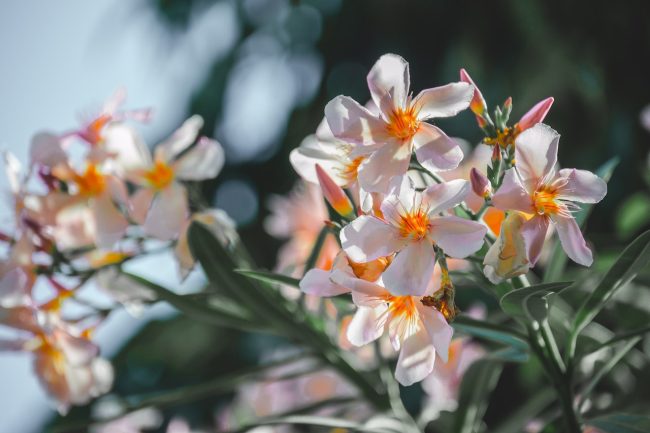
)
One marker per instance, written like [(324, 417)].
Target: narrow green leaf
[(478, 382), (269, 277), (530, 303), (635, 258), (559, 259), (633, 215), (491, 332), (508, 354), (621, 423)]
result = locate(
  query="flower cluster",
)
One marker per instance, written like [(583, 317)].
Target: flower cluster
[(407, 212), (90, 200)]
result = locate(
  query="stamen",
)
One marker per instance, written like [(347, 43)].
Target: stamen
[(403, 123)]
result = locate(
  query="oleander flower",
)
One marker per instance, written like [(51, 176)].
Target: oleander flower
[(300, 217), (546, 195), (161, 203), (411, 226), (415, 328), (385, 142), (103, 193), (508, 257)]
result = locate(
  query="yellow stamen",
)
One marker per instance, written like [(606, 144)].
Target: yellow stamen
[(544, 201), (414, 225), (350, 171), (504, 138), (160, 175), (403, 124), (91, 182)]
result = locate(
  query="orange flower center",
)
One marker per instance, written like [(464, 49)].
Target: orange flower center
[(402, 306), (93, 131), (160, 175), (504, 137), (544, 201), (91, 182), (351, 169), (414, 225), (403, 124)]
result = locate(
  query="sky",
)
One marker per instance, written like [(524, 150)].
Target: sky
[(60, 61)]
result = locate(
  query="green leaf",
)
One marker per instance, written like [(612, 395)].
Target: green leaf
[(559, 259), (269, 277), (492, 332), (633, 214), (224, 314), (508, 354), (478, 382), (621, 423), (635, 258), (531, 303)]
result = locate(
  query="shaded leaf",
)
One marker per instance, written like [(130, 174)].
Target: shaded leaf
[(269, 277), (621, 423), (474, 395), (531, 302), (491, 332)]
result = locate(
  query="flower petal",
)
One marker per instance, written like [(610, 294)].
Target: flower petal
[(572, 240), (534, 232), (311, 152), (440, 332), (456, 236), (167, 213), (508, 256), (126, 146), (512, 195), (582, 186), (416, 359), (110, 224), (435, 150), (389, 77), (443, 101), (367, 325), (536, 154), (46, 149), (535, 115), (443, 196), (203, 161), (317, 282), (368, 238), (140, 203), (376, 172), (180, 140), (353, 123), (411, 270)]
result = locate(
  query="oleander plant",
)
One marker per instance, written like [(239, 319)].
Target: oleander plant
[(418, 276)]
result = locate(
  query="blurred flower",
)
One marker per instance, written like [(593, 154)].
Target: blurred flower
[(410, 226), (645, 117), (443, 384), (544, 195), (300, 217), (386, 142), (161, 203)]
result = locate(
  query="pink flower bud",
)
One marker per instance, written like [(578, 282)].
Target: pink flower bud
[(507, 105), (478, 105), (334, 195), (535, 115), (480, 183)]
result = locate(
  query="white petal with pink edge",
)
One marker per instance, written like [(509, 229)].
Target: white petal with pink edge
[(582, 186), (536, 154), (353, 123), (572, 240), (377, 171), (443, 101), (317, 282), (203, 161), (512, 194), (180, 140), (368, 238), (456, 236), (411, 270), (167, 213), (367, 325), (443, 196), (440, 332), (435, 150), (534, 232), (389, 77), (416, 358)]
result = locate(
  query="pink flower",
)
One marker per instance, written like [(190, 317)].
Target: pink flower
[(300, 217), (386, 142), (410, 227), (545, 195), (415, 328), (161, 203)]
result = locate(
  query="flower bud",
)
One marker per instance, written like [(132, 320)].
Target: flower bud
[(334, 195), (535, 115), (480, 183), (477, 105)]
